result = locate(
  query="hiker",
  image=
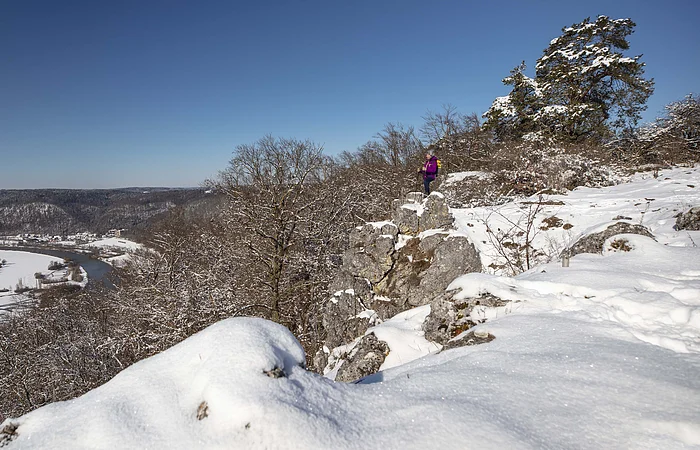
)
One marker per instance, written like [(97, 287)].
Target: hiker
[(429, 170)]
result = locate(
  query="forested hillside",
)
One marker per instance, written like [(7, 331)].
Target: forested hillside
[(65, 211)]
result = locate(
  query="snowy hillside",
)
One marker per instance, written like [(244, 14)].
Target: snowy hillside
[(604, 353)]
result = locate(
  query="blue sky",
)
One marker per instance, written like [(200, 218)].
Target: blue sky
[(99, 94)]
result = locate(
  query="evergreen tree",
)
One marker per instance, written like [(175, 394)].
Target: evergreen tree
[(584, 87), (513, 115)]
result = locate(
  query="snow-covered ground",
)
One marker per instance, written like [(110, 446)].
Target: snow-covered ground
[(652, 202), (19, 271), (123, 247), (115, 243), (604, 353)]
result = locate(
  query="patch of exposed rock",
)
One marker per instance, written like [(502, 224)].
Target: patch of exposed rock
[(689, 220), (593, 243), (449, 319), (413, 214), (365, 359), (470, 338)]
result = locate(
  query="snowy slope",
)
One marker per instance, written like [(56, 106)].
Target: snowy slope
[(602, 354), (652, 202)]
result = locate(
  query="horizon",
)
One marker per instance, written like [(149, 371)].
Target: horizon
[(159, 94), (121, 188)]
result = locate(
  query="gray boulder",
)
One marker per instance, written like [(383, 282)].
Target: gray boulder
[(365, 359), (454, 256), (339, 316), (449, 319), (371, 250), (689, 220), (405, 276), (593, 243), (436, 213), (405, 213), (413, 214), (437, 326)]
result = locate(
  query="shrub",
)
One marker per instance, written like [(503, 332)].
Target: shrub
[(56, 265)]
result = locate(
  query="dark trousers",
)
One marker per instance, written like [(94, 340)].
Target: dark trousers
[(426, 185)]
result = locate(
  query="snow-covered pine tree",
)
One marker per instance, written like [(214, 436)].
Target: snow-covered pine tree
[(513, 115), (584, 87), (588, 83)]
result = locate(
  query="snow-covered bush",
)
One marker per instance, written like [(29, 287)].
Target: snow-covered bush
[(673, 138)]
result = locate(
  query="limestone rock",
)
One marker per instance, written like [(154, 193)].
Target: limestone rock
[(689, 220), (436, 213), (405, 215), (454, 256), (593, 243), (415, 197), (385, 272), (370, 252), (339, 318), (413, 214), (437, 325), (365, 359), (448, 319)]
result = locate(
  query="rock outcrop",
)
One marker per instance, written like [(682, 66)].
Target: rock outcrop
[(413, 214), (394, 266), (365, 359), (593, 243), (469, 338)]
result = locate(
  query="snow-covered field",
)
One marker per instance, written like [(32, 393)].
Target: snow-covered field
[(115, 243), (19, 270), (604, 353)]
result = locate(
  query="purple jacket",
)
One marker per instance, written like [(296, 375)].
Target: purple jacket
[(430, 169)]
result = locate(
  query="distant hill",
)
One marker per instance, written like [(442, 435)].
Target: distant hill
[(65, 211)]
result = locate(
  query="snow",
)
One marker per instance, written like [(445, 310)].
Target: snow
[(120, 243), (652, 292), (401, 241), (381, 224), (547, 381), (652, 202), (404, 336), (501, 106), (20, 267), (417, 207), (601, 354), (457, 177)]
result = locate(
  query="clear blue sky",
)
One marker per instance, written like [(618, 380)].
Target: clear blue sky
[(98, 94)]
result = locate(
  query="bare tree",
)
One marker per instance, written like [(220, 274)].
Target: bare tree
[(439, 125), (273, 189), (395, 144)]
